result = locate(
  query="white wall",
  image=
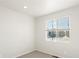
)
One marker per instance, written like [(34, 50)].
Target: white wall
[(62, 49), (16, 33)]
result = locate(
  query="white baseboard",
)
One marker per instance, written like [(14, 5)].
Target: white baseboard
[(46, 52), (24, 53)]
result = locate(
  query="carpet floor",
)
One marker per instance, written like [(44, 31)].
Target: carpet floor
[(37, 54)]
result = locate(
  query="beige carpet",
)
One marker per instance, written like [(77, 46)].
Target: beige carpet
[(37, 54)]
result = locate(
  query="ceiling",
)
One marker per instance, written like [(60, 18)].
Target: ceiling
[(38, 7)]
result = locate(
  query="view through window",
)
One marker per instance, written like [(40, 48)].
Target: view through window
[(58, 28)]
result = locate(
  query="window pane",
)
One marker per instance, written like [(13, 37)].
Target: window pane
[(61, 33), (67, 34), (52, 24), (63, 23), (51, 34)]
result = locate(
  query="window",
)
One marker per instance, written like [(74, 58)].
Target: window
[(58, 28)]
